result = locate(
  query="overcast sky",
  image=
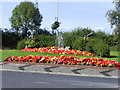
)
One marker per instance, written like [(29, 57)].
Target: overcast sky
[(71, 14)]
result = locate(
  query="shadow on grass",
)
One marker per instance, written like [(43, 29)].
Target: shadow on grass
[(113, 57)]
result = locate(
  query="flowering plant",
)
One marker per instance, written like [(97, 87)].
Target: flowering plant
[(65, 60), (58, 51)]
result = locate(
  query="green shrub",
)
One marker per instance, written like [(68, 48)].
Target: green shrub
[(44, 41), (10, 40), (79, 44), (90, 45), (68, 39), (100, 47), (30, 43), (115, 48), (21, 44)]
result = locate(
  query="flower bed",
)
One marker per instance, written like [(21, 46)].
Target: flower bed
[(64, 60), (0, 49), (58, 51)]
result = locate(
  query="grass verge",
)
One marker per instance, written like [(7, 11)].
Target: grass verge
[(6, 53)]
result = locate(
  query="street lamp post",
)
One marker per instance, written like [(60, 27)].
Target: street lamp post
[(86, 38)]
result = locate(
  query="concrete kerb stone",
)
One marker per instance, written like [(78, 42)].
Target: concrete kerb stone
[(44, 64)]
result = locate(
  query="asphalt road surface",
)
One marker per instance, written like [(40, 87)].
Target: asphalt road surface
[(37, 80)]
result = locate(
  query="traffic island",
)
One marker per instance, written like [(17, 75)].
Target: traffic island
[(76, 70)]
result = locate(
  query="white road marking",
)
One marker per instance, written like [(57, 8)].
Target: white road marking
[(42, 82), (94, 84)]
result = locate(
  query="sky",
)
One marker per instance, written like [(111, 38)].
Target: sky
[(71, 14)]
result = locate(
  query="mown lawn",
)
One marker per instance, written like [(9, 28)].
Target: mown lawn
[(114, 55), (6, 53)]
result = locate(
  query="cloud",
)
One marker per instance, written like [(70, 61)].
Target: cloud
[(42, 27), (98, 28), (106, 30), (3, 27), (65, 27)]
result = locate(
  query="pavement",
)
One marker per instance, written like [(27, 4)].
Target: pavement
[(75, 70), (40, 80)]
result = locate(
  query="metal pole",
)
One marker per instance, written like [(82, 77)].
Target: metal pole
[(86, 43), (86, 38), (58, 38), (57, 8)]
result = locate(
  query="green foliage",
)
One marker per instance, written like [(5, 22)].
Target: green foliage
[(73, 38), (44, 41), (9, 40), (79, 44), (115, 48), (116, 34), (82, 32), (68, 39), (96, 43), (113, 17), (30, 43), (98, 46), (90, 45), (25, 16), (101, 35), (37, 42), (21, 44), (101, 47)]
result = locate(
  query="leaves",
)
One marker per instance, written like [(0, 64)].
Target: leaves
[(113, 17), (26, 16)]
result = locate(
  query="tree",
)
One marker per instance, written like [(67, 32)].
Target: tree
[(9, 39), (101, 48), (68, 39), (113, 17), (79, 44), (25, 16), (81, 31)]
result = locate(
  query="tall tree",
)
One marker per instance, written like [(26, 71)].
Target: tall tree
[(26, 16), (114, 18)]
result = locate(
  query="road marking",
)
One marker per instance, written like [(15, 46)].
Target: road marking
[(22, 67), (105, 73), (48, 69), (76, 70), (94, 84), (42, 82), (78, 84)]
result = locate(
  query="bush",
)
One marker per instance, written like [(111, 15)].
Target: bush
[(30, 43), (21, 44), (90, 45), (79, 44), (68, 39), (44, 41), (100, 47), (10, 40), (37, 42), (115, 48)]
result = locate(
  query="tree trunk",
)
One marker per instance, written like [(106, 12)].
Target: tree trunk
[(24, 33)]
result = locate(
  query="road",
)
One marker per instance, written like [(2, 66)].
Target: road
[(37, 80)]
